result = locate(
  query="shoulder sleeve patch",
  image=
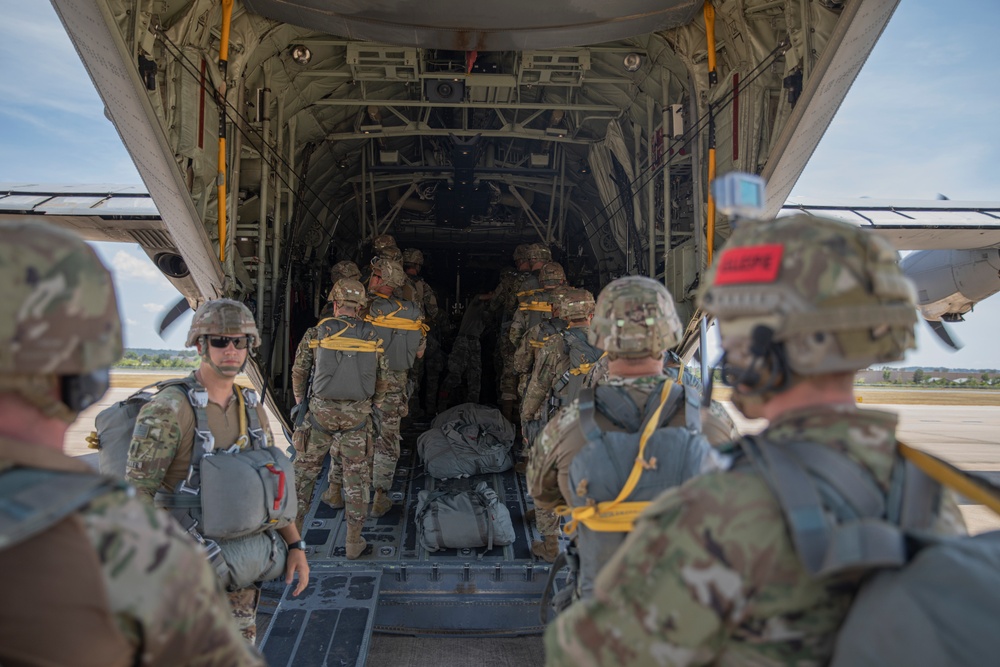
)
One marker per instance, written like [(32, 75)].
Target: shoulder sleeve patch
[(752, 264)]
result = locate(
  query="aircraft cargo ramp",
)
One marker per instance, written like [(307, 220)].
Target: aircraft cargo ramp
[(399, 588)]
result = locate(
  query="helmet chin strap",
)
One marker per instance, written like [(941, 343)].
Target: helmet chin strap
[(767, 373)]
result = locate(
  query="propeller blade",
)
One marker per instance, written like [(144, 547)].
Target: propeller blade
[(171, 315), (942, 332)]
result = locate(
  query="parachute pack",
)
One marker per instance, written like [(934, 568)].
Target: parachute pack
[(926, 599), (468, 439), (232, 499)]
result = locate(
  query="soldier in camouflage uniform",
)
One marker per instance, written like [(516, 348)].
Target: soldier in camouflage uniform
[(635, 323), (433, 361), (710, 574), (102, 579), (332, 363), (396, 333), (465, 360), (532, 259), (163, 442), (342, 269)]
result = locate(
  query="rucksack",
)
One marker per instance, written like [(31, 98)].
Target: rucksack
[(467, 440), (926, 599), (115, 424), (463, 519)]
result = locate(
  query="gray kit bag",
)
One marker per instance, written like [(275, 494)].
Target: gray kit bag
[(463, 519), (114, 426), (252, 558), (467, 440)]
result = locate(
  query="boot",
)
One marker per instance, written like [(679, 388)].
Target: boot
[(547, 550), (355, 544), (334, 495), (381, 504), (521, 466), (529, 516)]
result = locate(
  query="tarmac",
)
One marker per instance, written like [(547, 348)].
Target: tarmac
[(963, 435)]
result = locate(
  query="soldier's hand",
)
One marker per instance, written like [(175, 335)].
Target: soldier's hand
[(297, 563), (420, 354)]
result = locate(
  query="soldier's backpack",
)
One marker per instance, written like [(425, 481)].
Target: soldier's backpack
[(583, 368), (468, 439), (926, 599), (463, 519), (400, 325)]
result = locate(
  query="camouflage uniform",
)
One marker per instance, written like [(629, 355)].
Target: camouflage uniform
[(524, 281), (393, 385), (115, 582), (425, 376), (465, 359), (348, 439), (710, 574), (163, 442), (625, 309)]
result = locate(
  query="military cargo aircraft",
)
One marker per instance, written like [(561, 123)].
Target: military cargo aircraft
[(277, 137)]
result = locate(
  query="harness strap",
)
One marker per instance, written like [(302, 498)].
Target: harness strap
[(535, 306), (338, 342), (530, 292), (391, 321), (970, 485)]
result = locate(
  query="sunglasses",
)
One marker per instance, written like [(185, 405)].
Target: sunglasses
[(222, 342)]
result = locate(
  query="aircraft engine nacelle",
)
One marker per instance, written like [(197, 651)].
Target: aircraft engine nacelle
[(950, 282)]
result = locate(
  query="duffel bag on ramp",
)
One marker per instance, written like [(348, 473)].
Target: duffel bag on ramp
[(467, 440), (463, 519)]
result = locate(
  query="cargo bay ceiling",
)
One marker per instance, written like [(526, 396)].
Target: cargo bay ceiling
[(468, 127)]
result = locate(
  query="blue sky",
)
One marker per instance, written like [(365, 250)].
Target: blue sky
[(919, 121)]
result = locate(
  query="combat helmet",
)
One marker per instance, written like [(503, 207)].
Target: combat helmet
[(348, 291), (634, 317), (413, 256), (222, 317), (521, 253), (552, 275), (381, 242), (573, 304), (830, 294), (60, 318), (391, 253), (538, 252), (390, 271), (345, 269)]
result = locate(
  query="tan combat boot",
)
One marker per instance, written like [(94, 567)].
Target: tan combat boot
[(547, 550), (355, 544), (529, 516), (381, 504), (334, 496)]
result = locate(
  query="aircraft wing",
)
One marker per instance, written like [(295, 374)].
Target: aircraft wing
[(913, 224)]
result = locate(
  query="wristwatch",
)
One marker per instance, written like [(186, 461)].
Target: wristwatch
[(301, 544)]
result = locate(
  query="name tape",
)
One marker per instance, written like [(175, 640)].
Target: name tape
[(753, 264)]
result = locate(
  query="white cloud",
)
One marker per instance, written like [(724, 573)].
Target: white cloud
[(125, 266), (129, 321), (153, 307)]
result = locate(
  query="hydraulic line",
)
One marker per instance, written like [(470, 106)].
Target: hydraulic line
[(227, 15)]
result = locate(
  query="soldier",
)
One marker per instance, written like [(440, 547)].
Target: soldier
[(341, 371), (91, 576), (400, 325), (524, 285), (342, 269), (163, 457), (465, 359), (635, 323), (433, 360), (710, 575)]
